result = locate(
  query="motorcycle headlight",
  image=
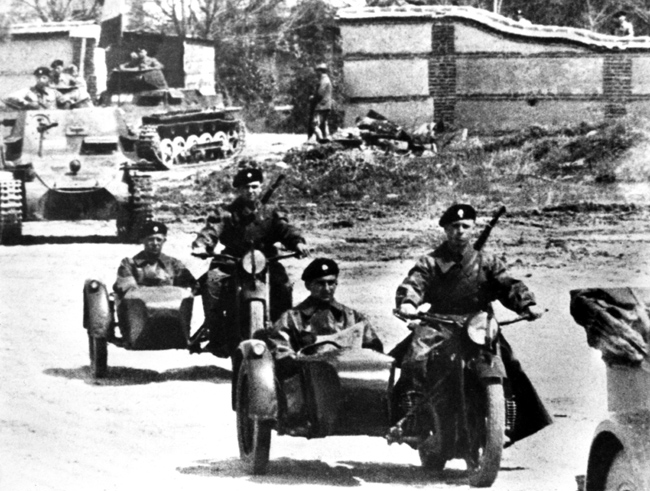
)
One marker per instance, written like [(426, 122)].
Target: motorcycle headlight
[(254, 262), (482, 327)]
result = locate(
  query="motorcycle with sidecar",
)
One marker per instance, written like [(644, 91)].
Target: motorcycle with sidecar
[(331, 390), (159, 317)]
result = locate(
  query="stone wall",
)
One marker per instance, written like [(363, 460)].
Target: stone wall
[(485, 72)]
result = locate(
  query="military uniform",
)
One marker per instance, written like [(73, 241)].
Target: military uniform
[(36, 98), (299, 326), (464, 284), (142, 270), (238, 227)]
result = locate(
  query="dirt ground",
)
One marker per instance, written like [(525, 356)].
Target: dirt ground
[(162, 420)]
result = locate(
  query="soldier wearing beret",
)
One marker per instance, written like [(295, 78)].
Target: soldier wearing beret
[(456, 279), (319, 314), (150, 267), (40, 95), (244, 222)]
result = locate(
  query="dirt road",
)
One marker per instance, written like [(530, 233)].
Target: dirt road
[(162, 420)]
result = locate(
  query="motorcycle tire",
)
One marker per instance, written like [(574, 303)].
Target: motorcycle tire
[(98, 350), (253, 434), (490, 434)]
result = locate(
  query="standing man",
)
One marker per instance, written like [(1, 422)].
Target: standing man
[(321, 105), (624, 27), (456, 279), (245, 222), (319, 314), (150, 267)]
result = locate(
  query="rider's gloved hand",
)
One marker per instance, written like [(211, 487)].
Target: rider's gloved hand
[(533, 312), (302, 250), (199, 251), (407, 309)]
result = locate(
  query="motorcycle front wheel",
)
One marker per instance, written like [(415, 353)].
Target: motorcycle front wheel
[(486, 436), (253, 434)]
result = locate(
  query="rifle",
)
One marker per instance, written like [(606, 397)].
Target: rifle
[(269, 192), (485, 235)]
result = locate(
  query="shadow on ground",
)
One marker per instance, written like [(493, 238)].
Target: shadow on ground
[(28, 240), (348, 474), (138, 376)]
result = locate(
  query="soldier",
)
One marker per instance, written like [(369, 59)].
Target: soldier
[(150, 267), (319, 314), (321, 105), (456, 279), (244, 222), (39, 96), (73, 94)]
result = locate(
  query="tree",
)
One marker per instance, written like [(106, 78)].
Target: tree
[(55, 10)]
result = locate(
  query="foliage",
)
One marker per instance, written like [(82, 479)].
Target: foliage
[(54, 10)]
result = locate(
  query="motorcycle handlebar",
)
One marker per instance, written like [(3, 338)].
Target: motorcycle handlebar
[(206, 255), (440, 318)]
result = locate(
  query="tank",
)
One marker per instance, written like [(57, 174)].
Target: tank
[(70, 165), (173, 127)]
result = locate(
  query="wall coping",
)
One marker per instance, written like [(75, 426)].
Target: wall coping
[(494, 21)]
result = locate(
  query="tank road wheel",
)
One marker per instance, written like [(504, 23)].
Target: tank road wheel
[(622, 475), (253, 435), (166, 153), (11, 211), (237, 138), (179, 149), (148, 144), (487, 436), (98, 350), (139, 210), (220, 136)]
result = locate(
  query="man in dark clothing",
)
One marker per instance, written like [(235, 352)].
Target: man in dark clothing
[(245, 223), (150, 267), (456, 279), (319, 314)]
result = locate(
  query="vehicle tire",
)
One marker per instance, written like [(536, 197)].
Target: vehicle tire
[(621, 475), (487, 426), (98, 350), (137, 211), (11, 211), (253, 435), (256, 320), (431, 461)]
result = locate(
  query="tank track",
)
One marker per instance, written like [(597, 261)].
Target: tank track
[(168, 152), (11, 211), (137, 211)]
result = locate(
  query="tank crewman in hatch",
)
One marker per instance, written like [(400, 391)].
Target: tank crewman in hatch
[(244, 222), (39, 96), (320, 314), (150, 267), (73, 94), (456, 279)]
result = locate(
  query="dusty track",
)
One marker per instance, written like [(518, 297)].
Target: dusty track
[(162, 420)]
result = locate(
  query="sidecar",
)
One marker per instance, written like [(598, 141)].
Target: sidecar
[(341, 392), (147, 318)]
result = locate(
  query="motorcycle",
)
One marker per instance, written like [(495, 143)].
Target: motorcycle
[(244, 306), (463, 413)]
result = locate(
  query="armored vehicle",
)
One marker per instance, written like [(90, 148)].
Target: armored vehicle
[(70, 165), (174, 127)]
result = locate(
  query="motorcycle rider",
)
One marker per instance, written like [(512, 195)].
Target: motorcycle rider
[(244, 222), (150, 267), (319, 314), (456, 279)]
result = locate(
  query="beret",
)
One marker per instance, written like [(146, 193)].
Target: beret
[(151, 228), (457, 212), (318, 268), (246, 176), (42, 70)]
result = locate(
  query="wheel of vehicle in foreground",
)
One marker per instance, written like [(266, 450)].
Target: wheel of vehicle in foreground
[(11, 211), (621, 475), (98, 348), (431, 458), (487, 433), (253, 435)]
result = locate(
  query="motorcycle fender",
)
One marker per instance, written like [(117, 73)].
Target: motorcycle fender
[(254, 289), (262, 395), (490, 367), (98, 315)]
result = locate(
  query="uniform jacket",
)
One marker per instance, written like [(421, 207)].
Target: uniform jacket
[(462, 285), (35, 98), (297, 327), (236, 229), (140, 270)]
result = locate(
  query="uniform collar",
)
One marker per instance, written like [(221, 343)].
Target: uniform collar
[(142, 258), (311, 305), (446, 259)]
